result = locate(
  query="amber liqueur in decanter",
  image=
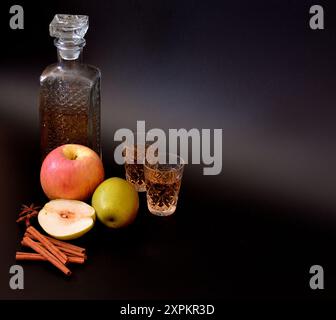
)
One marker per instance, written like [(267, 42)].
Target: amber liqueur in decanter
[(69, 90)]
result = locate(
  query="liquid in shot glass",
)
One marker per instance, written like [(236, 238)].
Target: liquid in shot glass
[(163, 182)]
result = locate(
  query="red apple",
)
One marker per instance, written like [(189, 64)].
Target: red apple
[(71, 171)]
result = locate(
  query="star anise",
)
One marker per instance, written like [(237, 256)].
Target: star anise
[(28, 212)]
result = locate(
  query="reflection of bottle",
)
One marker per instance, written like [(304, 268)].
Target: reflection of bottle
[(70, 90)]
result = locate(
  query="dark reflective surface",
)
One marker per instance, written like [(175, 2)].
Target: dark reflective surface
[(254, 69)]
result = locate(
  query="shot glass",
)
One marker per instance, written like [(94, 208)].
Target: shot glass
[(163, 182), (135, 154)]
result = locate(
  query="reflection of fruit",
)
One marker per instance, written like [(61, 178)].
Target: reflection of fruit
[(71, 171), (66, 219), (116, 202)]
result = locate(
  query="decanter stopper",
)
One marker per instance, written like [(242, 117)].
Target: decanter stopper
[(69, 31)]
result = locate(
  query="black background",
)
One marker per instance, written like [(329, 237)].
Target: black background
[(254, 69)]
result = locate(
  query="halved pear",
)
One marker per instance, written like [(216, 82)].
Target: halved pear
[(66, 219)]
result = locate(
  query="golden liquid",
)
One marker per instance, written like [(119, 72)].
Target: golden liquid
[(162, 191), (69, 113), (58, 128)]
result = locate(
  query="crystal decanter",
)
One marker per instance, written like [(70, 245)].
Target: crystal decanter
[(69, 90)]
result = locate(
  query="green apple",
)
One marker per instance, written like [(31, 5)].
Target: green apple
[(66, 219), (116, 202)]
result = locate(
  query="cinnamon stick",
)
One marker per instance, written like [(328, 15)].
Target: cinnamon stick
[(78, 260), (68, 250), (29, 256), (46, 254), (48, 245), (63, 244), (73, 253)]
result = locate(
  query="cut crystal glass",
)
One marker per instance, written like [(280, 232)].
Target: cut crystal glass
[(66, 26), (70, 90)]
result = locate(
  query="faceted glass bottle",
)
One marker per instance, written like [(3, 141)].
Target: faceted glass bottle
[(69, 90)]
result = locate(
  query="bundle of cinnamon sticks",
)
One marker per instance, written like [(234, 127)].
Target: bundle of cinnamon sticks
[(57, 252)]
